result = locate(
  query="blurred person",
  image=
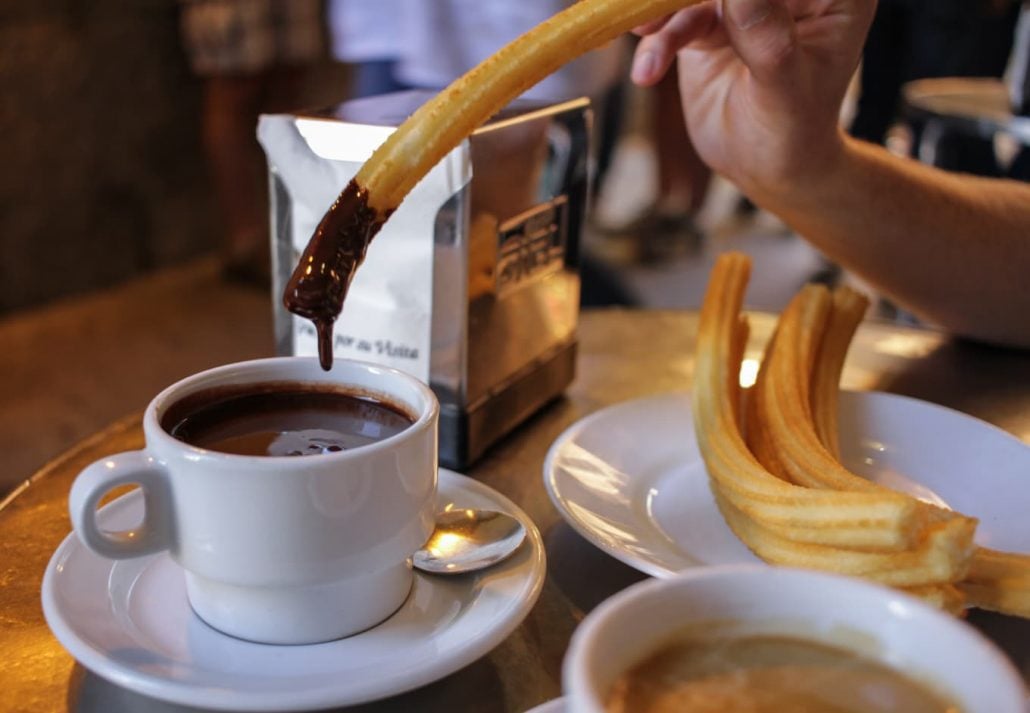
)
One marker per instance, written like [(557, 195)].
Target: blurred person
[(253, 56), (883, 69), (395, 45), (682, 176), (1019, 87), (427, 45), (667, 226), (762, 83), (922, 39), (368, 36)]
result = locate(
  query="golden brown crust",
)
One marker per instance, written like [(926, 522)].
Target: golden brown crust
[(784, 491), (849, 306), (741, 479), (444, 121)]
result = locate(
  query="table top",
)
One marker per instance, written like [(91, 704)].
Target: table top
[(623, 355), (973, 105)]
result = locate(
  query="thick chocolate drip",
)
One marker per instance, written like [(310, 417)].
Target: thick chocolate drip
[(319, 283)]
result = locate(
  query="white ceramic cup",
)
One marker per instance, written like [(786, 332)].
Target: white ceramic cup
[(284, 550), (906, 635)]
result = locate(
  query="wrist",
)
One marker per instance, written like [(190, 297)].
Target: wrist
[(806, 177)]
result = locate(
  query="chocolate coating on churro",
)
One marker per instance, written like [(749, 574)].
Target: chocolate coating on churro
[(319, 283)]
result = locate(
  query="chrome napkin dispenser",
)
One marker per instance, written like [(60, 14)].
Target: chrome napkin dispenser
[(472, 285)]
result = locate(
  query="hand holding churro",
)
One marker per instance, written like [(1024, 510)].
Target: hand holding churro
[(761, 84)]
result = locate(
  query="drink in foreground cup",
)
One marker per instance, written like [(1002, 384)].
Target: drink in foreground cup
[(760, 638), (292, 498)]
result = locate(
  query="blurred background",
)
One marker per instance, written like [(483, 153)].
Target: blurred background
[(127, 139), (118, 117)]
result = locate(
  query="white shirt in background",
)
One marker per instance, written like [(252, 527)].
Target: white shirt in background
[(435, 41)]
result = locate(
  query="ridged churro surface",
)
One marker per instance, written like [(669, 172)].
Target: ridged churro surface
[(773, 460)]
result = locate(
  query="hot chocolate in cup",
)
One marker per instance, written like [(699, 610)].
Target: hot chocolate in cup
[(721, 635), (292, 498)]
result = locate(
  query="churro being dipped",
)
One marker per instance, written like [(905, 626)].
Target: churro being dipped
[(319, 283)]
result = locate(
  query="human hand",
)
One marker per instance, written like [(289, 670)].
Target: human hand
[(761, 82)]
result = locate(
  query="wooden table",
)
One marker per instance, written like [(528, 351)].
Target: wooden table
[(623, 355)]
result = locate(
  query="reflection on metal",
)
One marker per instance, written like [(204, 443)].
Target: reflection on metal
[(469, 540), (443, 544), (531, 245)]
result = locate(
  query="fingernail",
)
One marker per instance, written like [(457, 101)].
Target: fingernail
[(644, 66), (747, 13)]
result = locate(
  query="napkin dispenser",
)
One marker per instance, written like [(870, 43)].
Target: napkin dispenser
[(472, 285)]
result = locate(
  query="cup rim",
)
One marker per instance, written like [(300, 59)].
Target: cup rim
[(157, 435), (578, 674)]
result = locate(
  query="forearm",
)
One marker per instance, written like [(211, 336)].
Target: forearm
[(952, 248)]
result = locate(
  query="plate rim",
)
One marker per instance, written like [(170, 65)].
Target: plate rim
[(482, 641), (654, 569), (646, 566)]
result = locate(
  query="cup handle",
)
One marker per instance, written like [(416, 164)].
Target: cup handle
[(153, 534)]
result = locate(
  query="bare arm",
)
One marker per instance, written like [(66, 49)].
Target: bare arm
[(953, 248), (762, 82)]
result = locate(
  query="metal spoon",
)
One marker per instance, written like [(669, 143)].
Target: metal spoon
[(469, 540)]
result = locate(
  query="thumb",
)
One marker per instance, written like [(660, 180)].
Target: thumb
[(763, 34)]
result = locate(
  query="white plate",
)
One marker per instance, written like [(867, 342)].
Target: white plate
[(130, 623), (630, 478)]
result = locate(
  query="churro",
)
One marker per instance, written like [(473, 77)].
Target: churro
[(811, 338), (849, 306), (742, 480), (999, 581), (784, 491), (935, 560), (319, 283)]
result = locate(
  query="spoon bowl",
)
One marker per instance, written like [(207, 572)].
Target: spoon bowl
[(467, 540)]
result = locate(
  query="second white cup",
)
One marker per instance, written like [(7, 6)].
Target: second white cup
[(921, 644)]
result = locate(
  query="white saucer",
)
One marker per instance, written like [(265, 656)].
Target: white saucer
[(130, 622), (630, 477)]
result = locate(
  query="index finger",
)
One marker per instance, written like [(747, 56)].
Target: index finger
[(652, 27)]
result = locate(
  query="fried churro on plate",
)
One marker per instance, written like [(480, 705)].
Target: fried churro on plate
[(774, 466)]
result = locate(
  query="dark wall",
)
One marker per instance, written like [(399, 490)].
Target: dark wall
[(101, 170)]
